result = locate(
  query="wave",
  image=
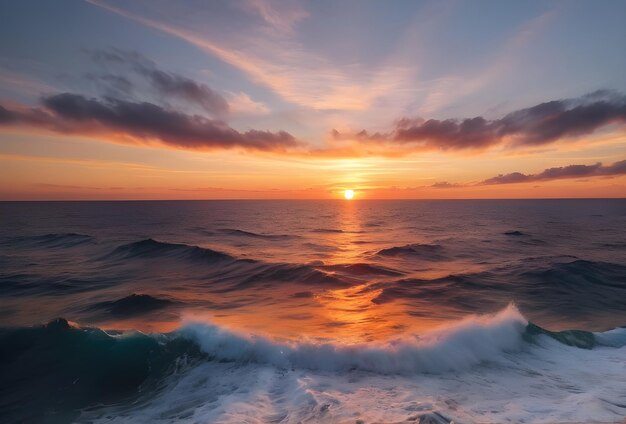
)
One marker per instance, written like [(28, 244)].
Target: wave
[(327, 230), (617, 245), (575, 289), (135, 304), (612, 338), (242, 233), (577, 338), (457, 347), (294, 274), (581, 272), (514, 233), (433, 252), (453, 289), (60, 240), (239, 273), (48, 373), (364, 269), (150, 248), (55, 370)]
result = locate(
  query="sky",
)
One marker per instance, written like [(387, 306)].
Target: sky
[(151, 99)]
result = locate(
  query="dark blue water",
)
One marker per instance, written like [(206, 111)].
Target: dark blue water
[(342, 293)]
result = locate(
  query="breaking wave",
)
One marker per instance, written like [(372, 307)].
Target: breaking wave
[(62, 368), (456, 347)]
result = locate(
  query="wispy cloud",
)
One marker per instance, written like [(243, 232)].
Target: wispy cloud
[(19, 83), (454, 87), (276, 60), (281, 16), (166, 84), (240, 103)]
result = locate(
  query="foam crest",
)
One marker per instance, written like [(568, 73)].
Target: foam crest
[(612, 338), (458, 346)]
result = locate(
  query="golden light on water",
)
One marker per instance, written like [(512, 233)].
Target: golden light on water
[(348, 194)]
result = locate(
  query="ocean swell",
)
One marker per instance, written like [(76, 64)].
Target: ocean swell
[(150, 248), (48, 373)]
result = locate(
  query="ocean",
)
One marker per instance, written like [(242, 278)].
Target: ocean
[(472, 311)]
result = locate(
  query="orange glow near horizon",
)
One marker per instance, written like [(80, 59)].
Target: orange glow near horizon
[(60, 167)]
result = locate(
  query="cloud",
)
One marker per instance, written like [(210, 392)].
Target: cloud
[(570, 171), (557, 119), (279, 15), (240, 103), (77, 114), (538, 125), (556, 173), (276, 59), (132, 121), (113, 85), (6, 116), (166, 84), (445, 184)]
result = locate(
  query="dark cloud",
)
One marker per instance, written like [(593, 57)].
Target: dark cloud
[(174, 85), (122, 76), (166, 84), (513, 177), (551, 121), (537, 125), (74, 113), (6, 116), (445, 184), (570, 171), (447, 134)]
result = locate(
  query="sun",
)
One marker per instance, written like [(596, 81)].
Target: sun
[(348, 194)]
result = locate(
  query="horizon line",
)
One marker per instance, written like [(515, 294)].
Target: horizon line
[(310, 199)]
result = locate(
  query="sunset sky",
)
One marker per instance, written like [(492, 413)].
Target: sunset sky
[(259, 99)]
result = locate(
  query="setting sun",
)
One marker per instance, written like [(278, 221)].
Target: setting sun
[(348, 194)]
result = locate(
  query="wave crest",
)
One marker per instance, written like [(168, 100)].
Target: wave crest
[(432, 252), (459, 346), (243, 233), (150, 248)]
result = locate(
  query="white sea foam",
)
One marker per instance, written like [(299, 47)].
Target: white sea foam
[(454, 347), (476, 370), (614, 338)]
